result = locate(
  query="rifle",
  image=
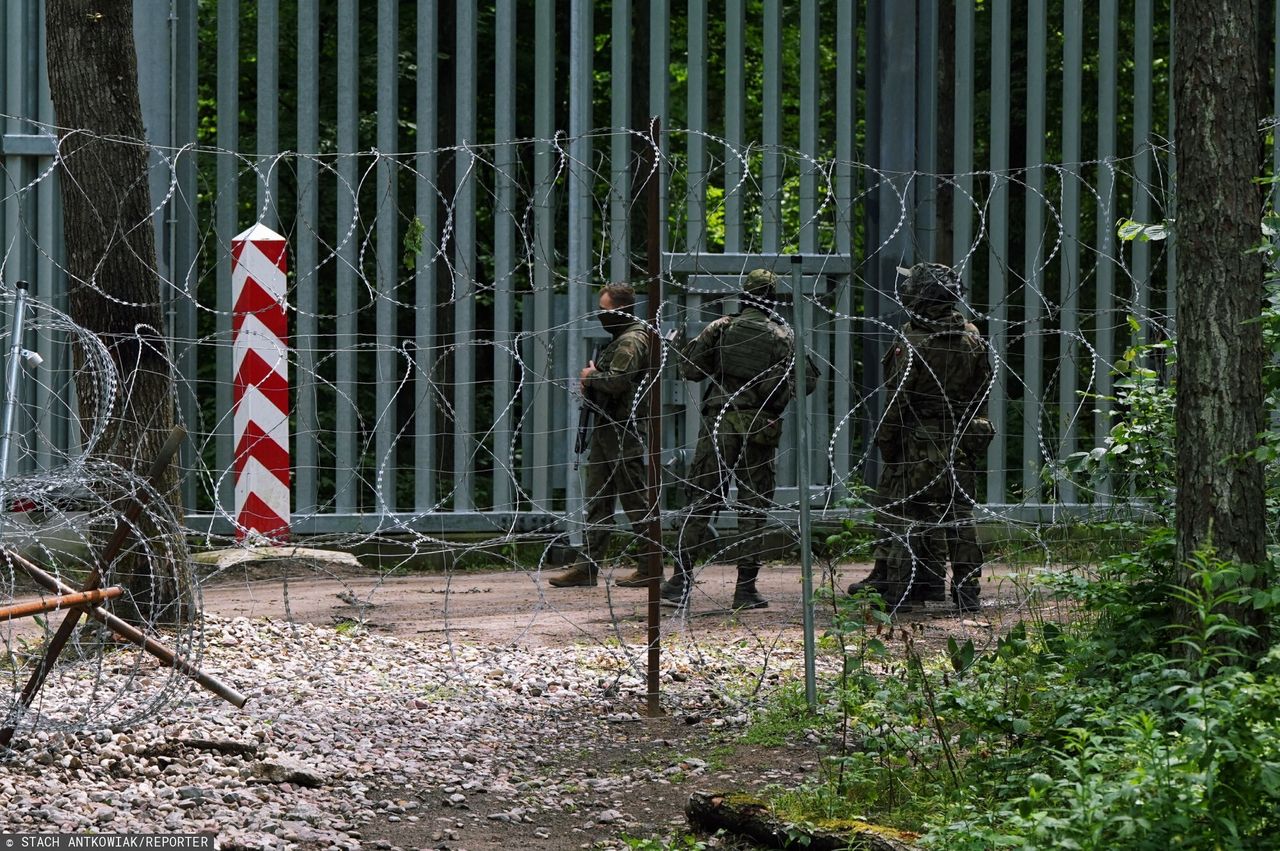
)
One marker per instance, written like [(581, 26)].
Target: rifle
[(584, 421)]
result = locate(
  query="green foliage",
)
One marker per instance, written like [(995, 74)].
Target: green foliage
[(413, 242), (784, 720), (1129, 231), (1144, 724), (678, 842), (1138, 452)]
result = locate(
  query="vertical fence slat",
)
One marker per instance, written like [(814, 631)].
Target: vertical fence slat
[(1033, 253), (48, 416), (425, 265), (696, 124), (620, 148), (734, 103), (659, 95), (962, 193), (997, 245), (580, 222), (1104, 343), (926, 211), (771, 176), (388, 249), (306, 334), (683, 432), (226, 227), (846, 220), (1143, 36), (186, 236), (25, 240), (872, 338), (1072, 72), (464, 263), (345, 439), (544, 153), (504, 258), (268, 100), (13, 81), (808, 58)]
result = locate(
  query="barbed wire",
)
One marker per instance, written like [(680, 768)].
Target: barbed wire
[(392, 355)]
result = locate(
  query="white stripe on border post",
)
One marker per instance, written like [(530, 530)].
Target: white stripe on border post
[(260, 407)]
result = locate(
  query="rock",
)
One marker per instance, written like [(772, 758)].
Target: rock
[(285, 769), (227, 746)]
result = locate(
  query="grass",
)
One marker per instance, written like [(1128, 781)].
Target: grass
[(785, 718)]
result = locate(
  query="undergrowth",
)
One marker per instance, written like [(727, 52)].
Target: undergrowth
[(1128, 728)]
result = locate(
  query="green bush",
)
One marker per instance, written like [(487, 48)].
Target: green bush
[(1131, 728)]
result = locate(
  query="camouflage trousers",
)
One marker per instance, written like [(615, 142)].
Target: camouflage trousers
[(615, 472), (738, 445), (925, 513)]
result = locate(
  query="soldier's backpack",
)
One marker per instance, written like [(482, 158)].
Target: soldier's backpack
[(754, 352)]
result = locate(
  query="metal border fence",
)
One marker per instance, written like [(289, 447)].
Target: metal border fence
[(914, 126)]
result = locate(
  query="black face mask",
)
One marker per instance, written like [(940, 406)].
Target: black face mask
[(614, 322)]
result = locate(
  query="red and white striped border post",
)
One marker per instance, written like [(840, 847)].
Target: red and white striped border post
[(260, 345)]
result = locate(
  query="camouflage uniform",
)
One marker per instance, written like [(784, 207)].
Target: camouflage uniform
[(932, 438), (749, 359), (615, 469)]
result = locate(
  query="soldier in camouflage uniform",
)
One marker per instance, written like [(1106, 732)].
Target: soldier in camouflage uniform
[(748, 358), (932, 438), (615, 469)]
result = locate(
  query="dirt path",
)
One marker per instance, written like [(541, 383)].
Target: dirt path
[(511, 607), (521, 608), (676, 754)]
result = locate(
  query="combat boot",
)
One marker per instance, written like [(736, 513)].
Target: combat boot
[(638, 578), (745, 595), (928, 586), (879, 573), (675, 591), (582, 574), (966, 596)]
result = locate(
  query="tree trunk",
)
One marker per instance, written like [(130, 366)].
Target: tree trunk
[(114, 285), (1218, 94)]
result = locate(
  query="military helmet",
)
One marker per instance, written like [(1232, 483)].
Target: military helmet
[(760, 283), (929, 284)]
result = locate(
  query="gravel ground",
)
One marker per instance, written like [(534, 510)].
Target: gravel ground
[(355, 740), (508, 719)]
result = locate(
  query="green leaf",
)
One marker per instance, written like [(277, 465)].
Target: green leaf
[(413, 242), (1129, 230)]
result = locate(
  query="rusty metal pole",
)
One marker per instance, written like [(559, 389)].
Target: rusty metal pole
[(654, 262), (130, 633), (62, 601)]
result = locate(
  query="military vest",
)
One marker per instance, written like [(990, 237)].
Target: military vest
[(754, 355), (943, 371)]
